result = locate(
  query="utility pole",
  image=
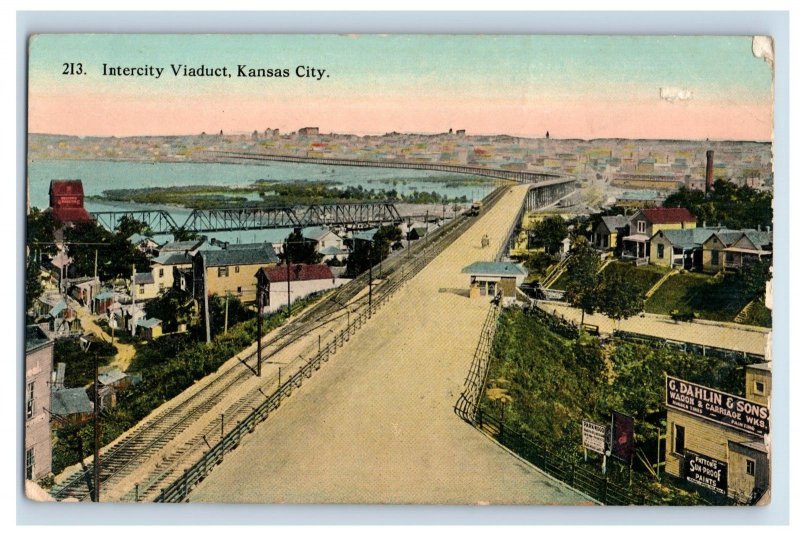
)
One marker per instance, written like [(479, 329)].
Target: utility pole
[(288, 281), (260, 302), (96, 430), (227, 294), (133, 298), (95, 263), (369, 256), (205, 299)]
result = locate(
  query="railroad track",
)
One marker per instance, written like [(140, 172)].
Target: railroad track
[(147, 438)]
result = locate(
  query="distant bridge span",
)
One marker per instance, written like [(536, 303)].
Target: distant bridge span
[(351, 215), (518, 176)]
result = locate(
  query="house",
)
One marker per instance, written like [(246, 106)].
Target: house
[(163, 268), (605, 232), (732, 249), (149, 328), (38, 366), (112, 382), (638, 199), (102, 302), (495, 278), (647, 222), (715, 450), (60, 317), (70, 406), (299, 279), (329, 244), (231, 270), (83, 289), (66, 201), (144, 286), (680, 248)]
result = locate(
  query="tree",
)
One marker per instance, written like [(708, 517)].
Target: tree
[(735, 207), (181, 234), (299, 249), (369, 253), (754, 277), (173, 307), (582, 277), (617, 298), (129, 226), (549, 232), (115, 254), (33, 282), (40, 230)]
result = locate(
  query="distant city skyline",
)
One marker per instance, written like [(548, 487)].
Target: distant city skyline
[(586, 87)]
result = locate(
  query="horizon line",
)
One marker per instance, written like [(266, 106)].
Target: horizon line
[(247, 133)]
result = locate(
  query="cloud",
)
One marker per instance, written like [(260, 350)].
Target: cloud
[(763, 48), (672, 94)]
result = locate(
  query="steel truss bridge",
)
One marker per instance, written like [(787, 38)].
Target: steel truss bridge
[(350, 215), (545, 189)]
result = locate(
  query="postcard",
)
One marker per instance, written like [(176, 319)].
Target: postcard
[(399, 269)]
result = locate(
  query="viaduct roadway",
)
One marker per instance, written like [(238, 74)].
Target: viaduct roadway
[(377, 425)]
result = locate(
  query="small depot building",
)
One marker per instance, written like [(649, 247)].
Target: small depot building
[(720, 442), (495, 278)]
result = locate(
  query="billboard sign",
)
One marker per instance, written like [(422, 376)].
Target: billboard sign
[(729, 410), (706, 472), (622, 444), (594, 437)]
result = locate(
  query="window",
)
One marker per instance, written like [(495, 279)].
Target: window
[(759, 388), (160, 272), (239, 290), (29, 401), (482, 286), (29, 464), (729, 257), (236, 269), (661, 251), (141, 289), (680, 440), (222, 271), (161, 286), (492, 286), (714, 256), (751, 467), (641, 226)]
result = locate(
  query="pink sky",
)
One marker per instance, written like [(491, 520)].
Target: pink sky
[(94, 115)]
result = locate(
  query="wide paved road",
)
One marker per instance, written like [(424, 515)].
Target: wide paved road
[(377, 423)]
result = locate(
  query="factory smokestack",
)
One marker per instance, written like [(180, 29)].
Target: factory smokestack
[(709, 171)]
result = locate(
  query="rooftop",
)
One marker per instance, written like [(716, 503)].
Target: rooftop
[(34, 338), (65, 402), (111, 376), (495, 268), (298, 272), (148, 322), (668, 215), (240, 256), (181, 246)]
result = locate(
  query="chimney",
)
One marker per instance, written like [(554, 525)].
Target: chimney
[(709, 171)]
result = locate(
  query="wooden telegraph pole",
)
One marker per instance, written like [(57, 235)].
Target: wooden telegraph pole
[(96, 430), (260, 305)]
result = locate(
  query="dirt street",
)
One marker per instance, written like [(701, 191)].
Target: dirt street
[(377, 423)]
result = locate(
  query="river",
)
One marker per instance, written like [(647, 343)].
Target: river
[(100, 175)]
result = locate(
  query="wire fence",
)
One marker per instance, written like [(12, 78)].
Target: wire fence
[(689, 347)]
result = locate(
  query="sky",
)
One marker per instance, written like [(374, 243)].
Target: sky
[(572, 86)]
